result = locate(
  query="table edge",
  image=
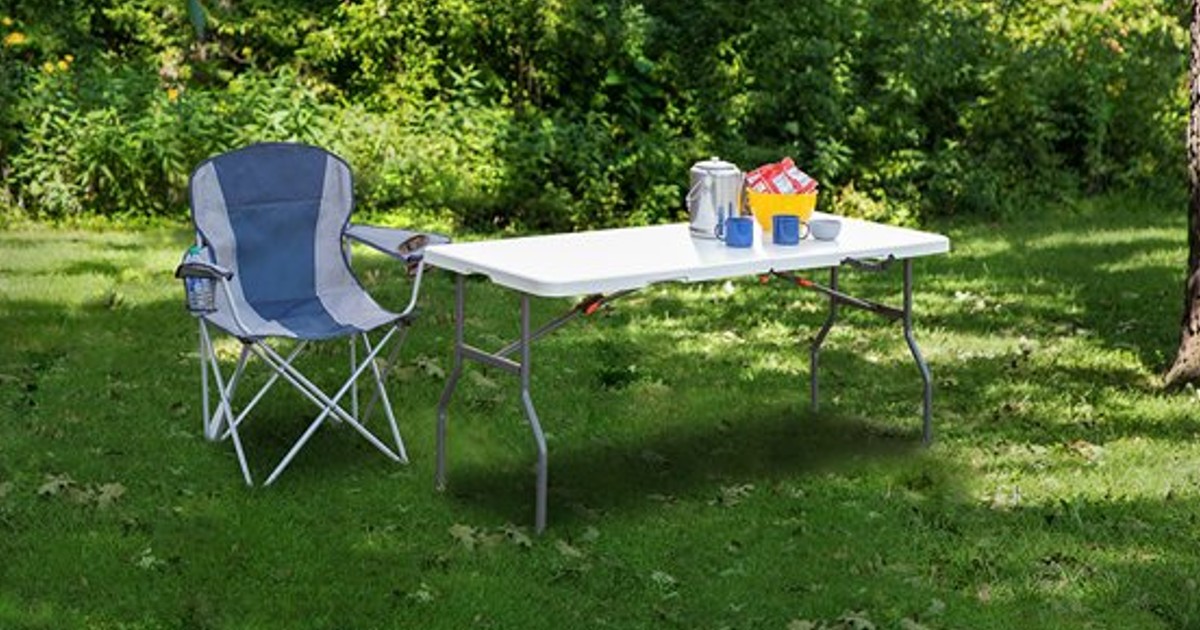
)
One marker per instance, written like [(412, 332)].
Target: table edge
[(734, 269)]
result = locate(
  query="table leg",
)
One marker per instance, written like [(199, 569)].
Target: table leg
[(531, 415), (460, 292), (927, 428), (462, 352), (904, 314), (815, 349)]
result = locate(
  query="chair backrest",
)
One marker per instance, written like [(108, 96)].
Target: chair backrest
[(274, 213)]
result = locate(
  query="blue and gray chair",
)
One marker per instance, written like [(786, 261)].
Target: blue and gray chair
[(273, 234)]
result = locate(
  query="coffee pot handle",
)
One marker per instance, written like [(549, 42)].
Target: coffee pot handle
[(706, 183)]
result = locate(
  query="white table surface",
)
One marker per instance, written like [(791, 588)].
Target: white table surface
[(604, 261)]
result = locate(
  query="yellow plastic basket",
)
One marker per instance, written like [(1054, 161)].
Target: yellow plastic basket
[(764, 206)]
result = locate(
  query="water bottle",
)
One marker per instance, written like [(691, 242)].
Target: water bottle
[(201, 296)]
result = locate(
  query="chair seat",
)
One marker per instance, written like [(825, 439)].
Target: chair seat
[(334, 313)]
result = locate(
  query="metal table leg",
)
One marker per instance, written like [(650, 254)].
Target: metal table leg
[(814, 352), (464, 352), (904, 314), (927, 428), (531, 415), (460, 291)]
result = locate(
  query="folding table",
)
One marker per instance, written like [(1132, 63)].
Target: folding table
[(606, 264)]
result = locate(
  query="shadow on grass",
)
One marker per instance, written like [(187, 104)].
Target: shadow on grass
[(89, 267), (1007, 397), (1097, 269), (1071, 556), (334, 450), (756, 446)]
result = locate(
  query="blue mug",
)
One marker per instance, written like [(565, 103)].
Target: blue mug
[(787, 229), (739, 231)]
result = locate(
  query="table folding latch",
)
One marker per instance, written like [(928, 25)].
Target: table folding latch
[(592, 303)]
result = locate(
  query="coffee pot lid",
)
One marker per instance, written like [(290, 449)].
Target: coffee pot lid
[(716, 165)]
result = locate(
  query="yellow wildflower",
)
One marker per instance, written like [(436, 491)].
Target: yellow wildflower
[(70, 58), (15, 38), (48, 68), (7, 21), (62, 65), (172, 94)]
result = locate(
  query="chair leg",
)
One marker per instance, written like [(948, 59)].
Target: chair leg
[(262, 390), (329, 405), (210, 370), (381, 389), (224, 422), (210, 433), (388, 363), (225, 406), (354, 366), (287, 459), (225, 414)]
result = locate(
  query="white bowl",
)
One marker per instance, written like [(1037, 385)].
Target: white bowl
[(825, 229)]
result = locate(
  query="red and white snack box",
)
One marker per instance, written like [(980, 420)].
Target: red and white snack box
[(757, 181), (802, 182), (780, 178)]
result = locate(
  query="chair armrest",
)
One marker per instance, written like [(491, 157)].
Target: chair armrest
[(198, 269), (406, 245)]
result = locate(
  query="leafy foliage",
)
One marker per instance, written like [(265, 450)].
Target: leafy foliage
[(539, 115)]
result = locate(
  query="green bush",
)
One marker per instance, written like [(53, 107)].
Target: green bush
[(110, 138), (531, 115)]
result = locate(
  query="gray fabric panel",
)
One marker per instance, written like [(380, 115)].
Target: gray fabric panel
[(339, 291), (336, 201)]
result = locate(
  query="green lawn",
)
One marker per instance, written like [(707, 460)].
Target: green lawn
[(690, 485)]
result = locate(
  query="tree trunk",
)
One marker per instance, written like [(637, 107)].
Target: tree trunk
[(1186, 368)]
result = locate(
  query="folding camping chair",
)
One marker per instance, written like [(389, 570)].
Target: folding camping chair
[(272, 257)]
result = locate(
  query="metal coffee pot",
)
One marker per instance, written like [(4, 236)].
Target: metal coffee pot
[(715, 195)]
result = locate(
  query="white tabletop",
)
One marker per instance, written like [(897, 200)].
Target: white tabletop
[(604, 261)]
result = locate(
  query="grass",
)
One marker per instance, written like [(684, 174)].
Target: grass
[(690, 485)]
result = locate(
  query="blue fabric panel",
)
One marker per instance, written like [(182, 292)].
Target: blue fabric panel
[(273, 196), (275, 251), (268, 173), (307, 318)]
